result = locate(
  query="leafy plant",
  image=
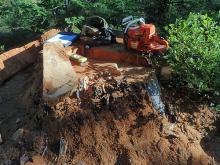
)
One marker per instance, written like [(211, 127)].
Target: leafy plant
[(24, 15), (75, 23), (195, 52), (218, 107), (2, 48)]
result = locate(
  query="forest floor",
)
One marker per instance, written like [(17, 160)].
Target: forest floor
[(124, 131)]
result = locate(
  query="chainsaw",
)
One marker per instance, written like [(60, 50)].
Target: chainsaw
[(142, 37)]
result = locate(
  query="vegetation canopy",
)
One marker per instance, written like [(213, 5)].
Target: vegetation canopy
[(195, 52)]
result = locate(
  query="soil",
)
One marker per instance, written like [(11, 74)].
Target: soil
[(124, 131), (112, 122)]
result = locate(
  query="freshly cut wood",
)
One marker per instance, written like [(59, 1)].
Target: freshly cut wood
[(59, 76)]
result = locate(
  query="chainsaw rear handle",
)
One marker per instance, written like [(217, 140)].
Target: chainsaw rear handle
[(126, 20), (132, 23)]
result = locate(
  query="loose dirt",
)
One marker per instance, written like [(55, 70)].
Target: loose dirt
[(109, 120), (126, 130)]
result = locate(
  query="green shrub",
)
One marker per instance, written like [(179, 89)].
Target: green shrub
[(23, 15), (218, 107), (2, 48), (194, 53), (75, 23)]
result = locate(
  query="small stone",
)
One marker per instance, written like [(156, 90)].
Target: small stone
[(18, 120), (18, 134)]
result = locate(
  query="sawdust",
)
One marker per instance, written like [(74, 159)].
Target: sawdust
[(125, 131)]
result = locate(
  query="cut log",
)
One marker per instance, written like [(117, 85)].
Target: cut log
[(17, 59), (59, 76)]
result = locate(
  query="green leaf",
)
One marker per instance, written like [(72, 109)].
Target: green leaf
[(218, 107)]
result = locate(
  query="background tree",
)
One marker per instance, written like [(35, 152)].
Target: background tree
[(24, 19)]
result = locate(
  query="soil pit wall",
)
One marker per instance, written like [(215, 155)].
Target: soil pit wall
[(110, 124), (17, 59)]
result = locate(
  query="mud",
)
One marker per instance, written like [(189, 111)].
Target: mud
[(124, 131)]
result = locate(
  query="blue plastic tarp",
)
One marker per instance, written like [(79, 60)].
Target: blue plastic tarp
[(66, 38)]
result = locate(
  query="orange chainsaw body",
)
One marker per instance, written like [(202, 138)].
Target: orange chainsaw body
[(144, 38)]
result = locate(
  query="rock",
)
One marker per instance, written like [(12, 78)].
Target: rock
[(18, 134), (18, 120)]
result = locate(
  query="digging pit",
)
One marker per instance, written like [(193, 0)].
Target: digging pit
[(107, 120)]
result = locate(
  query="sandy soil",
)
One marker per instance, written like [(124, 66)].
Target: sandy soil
[(125, 131)]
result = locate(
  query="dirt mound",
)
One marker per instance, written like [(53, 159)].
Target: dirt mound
[(115, 125), (121, 136)]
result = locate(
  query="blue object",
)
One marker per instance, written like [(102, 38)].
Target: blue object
[(154, 92), (66, 38)]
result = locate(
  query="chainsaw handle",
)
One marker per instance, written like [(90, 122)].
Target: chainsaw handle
[(134, 22)]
